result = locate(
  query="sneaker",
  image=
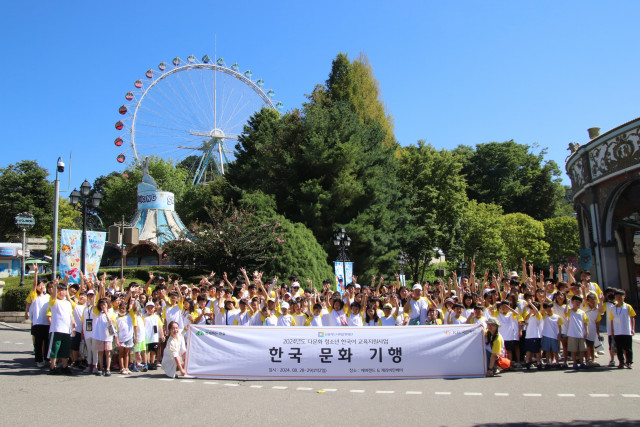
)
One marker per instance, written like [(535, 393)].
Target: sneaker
[(518, 365), (87, 370), (539, 365), (40, 365), (107, 373), (67, 371), (140, 365), (145, 368), (53, 371), (621, 366), (629, 365), (98, 373), (134, 368), (612, 363), (564, 366)]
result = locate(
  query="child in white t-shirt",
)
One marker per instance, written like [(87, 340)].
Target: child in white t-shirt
[(551, 324)]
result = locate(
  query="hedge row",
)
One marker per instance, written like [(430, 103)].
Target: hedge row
[(14, 296)]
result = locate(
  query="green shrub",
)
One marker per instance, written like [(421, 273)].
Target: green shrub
[(14, 297)]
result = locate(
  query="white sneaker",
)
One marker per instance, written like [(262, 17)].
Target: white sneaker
[(187, 376), (40, 365)]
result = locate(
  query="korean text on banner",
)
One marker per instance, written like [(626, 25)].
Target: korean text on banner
[(306, 353)]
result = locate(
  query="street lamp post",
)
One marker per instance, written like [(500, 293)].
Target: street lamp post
[(462, 265), (82, 197), (56, 197), (342, 241), (402, 261)]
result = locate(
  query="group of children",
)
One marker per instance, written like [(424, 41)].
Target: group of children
[(101, 324)]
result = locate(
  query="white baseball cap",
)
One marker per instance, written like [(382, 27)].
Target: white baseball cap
[(417, 286)]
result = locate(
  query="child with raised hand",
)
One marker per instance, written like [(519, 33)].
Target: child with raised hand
[(533, 333), (510, 330)]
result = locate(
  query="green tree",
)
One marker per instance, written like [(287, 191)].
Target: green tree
[(435, 190), (24, 188), (481, 234), (523, 237), (507, 174), (325, 168), (355, 83), (561, 233)]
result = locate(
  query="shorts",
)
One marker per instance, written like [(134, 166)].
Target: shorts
[(550, 344), (576, 344), (75, 341), (152, 346), (511, 345), (59, 345), (612, 343), (102, 345), (127, 344), (532, 344), (589, 343), (141, 346)]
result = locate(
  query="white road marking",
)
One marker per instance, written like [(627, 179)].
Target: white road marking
[(470, 393), (413, 392), (6, 342), (255, 386), (166, 379), (279, 387), (501, 394), (385, 391), (356, 391), (187, 381), (566, 395), (330, 389), (630, 395), (231, 385), (531, 394), (443, 393), (304, 388), (599, 395), (19, 343), (211, 382)]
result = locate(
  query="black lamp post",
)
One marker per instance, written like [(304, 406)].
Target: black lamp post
[(82, 198), (462, 265), (402, 261), (342, 242)]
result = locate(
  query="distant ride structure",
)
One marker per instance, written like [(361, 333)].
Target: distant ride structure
[(190, 111)]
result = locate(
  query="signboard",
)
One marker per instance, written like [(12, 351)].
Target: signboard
[(342, 353), (585, 258), (7, 252), (341, 284), (25, 220), (38, 240), (156, 200)]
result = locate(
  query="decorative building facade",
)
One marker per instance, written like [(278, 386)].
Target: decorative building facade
[(605, 180)]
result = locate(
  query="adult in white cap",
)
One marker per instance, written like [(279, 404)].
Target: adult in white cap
[(417, 306)]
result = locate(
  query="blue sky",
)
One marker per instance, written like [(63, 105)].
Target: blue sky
[(457, 72)]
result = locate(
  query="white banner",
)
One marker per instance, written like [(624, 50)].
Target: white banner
[(306, 353)]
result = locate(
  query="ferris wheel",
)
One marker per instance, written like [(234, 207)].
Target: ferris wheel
[(190, 112)]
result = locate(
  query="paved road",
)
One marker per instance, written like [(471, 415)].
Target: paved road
[(594, 398)]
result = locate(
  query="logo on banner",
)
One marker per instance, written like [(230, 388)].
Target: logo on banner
[(320, 334)]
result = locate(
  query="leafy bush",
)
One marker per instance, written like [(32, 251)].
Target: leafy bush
[(14, 297)]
